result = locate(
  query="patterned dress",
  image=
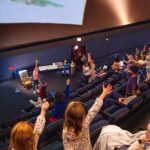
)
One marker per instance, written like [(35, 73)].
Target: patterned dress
[(38, 128), (83, 143)]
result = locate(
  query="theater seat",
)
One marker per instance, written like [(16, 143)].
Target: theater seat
[(3, 146), (118, 115), (32, 120), (135, 104), (81, 90), (86, 96), (96, 91), (96, 128), (89, 103), (147, 98), (95, 82), (52, 132), (73, 95), (54, 146), (97, 118)]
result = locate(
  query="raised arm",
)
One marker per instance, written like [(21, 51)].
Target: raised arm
[(97, 105), (40, 121)]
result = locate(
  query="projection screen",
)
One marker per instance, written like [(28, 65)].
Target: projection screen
[(42, 11)]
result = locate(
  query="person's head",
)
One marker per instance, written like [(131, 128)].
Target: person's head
[(134, 70), (74, 116), (22, 137), (59, 97)]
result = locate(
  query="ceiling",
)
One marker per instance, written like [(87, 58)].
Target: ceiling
[(99, 15)]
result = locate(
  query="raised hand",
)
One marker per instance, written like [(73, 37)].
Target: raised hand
[(107, 90), (45, 106)]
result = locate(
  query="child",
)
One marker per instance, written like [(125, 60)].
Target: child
[(132, 82), (35, 79), (76, 134), (24, 136)]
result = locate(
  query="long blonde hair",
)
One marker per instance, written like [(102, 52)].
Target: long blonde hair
[(74, 116), (22, 137)]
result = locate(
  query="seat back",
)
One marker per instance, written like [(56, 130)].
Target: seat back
[(134, 104), (23, 75), (52, 130)]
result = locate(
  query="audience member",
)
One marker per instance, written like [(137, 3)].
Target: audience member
[(132, 82), (142, 87), (24, 136), (113, 136), (42, 94), (76, 127), (60, 105), (68, 89), (92, 71), (42, 90), (86, 72), (137, 55), (72, 67), (116, 66)]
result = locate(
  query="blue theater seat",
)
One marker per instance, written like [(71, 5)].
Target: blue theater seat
[(81, 90), (135, 104), (118, 115), (57, 145), (89, 103), (73, 95), (32, 120), (96, 128), (52, 131), (97, 118), (86, 96), (96, 91)]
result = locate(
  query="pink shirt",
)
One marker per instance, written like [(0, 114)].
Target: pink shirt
[(35, 74)]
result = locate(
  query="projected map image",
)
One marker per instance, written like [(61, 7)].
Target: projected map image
[(41, 3), (42, 11)]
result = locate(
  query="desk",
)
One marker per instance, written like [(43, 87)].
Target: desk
[(50, 67)]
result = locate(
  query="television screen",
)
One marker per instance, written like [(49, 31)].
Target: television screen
[(42, 11)]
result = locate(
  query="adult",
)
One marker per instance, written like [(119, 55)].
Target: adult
[(113, 136)]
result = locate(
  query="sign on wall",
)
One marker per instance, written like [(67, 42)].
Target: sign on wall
[(42, 11)]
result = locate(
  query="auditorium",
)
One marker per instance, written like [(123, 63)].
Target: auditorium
[(74, 75)]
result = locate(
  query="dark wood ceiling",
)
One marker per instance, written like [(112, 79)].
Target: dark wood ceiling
[(99, 15)]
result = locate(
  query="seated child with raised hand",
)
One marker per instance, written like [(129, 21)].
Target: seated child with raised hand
[(142, 87), (76, 135)]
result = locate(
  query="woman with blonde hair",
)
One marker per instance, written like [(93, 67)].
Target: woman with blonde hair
[(24, 136), (76, 135)]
